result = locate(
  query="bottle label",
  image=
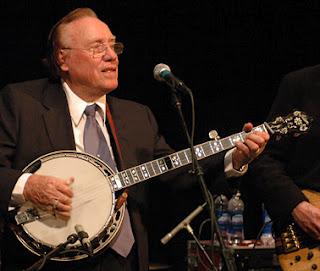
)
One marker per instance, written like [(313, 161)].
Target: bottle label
[(237, 222), (223, 221)]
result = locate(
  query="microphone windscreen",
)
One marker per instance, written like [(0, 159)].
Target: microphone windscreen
[(158, 69)]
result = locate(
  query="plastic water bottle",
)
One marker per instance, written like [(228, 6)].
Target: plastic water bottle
[(266, 235), (222, 215), (235, 208)]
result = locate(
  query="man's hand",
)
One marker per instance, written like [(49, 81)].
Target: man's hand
[(50, 194), (308, 218), (252, 146)]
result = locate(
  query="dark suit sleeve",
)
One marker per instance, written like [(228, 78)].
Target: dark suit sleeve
[(269, 174), (8, 137)]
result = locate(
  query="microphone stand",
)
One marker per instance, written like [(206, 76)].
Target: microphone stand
[(38, 265), (185, 224), (197, 170)]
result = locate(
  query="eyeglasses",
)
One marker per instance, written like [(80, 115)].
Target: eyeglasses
[(100, 49)]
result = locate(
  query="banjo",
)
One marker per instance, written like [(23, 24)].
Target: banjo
[(95, 185)]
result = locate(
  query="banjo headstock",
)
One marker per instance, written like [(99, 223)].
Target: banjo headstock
[(296, 122)]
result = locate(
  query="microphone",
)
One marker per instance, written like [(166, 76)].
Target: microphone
[(83, 237), (162, 73), (183, 224)]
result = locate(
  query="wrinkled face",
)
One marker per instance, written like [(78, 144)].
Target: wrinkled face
[(89, 72)]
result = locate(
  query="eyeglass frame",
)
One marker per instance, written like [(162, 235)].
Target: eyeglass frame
[(103, 48)]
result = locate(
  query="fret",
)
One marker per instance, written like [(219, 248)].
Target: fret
[(226, 143), (263, 128), (168, 162), (241, 136), (182, 157), (235, 138), (199, 152), (260, 128), (231, 141), (175, 160), (206, 149), (134, 175), (112, 182), (188, 155), (116, 182), (145, 171), (125, 178), (162, 165), (156, 167), (121, 179), (211, 147), (185, 152), (216, 146), (150, 169), (139, 173), (130, 176)]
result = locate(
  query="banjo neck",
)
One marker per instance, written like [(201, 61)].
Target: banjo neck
[(296, 122), (176, 160)]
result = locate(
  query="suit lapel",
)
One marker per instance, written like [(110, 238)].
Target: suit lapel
[(57, 118)]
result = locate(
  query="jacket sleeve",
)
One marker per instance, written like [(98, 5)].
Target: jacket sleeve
[(268, 174), (8, 143)]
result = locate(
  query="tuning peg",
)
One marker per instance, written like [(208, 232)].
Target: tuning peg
[(213, 134)]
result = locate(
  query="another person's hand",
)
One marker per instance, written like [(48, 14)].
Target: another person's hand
[(308, 218), (252, 146), (50, 194)]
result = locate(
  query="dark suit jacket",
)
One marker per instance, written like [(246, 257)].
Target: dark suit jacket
[(292, 163), (35, 120)]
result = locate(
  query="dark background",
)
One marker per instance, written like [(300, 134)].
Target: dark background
[(232, 54)]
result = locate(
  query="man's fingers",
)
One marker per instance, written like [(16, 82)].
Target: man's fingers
[(243, 148), (64, 187), (257, 138), (247, 127), (63, 215), (65, 190), (61, 207), (63, 199)]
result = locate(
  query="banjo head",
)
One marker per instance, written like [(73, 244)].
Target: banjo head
[(93, 206)]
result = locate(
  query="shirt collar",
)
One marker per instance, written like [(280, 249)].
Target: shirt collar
[(77, 105)]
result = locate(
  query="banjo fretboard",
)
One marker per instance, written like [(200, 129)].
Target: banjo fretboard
[(175, 160)]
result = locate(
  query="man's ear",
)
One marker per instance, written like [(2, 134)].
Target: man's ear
[(61, 57)]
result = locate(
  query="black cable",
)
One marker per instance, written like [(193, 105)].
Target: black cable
[(197, 249)]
